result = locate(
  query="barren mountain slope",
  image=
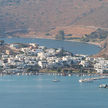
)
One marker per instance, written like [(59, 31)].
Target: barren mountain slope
[(44, 15), (104, 51)]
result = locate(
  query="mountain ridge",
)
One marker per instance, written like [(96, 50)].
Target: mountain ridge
[(44, 15)]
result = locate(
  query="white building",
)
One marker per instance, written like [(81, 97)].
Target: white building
[(101, 66), (84, 63), (42, 64)]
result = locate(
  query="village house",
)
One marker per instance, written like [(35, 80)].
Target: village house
[(101, 66), (42, 64), (84, 63)]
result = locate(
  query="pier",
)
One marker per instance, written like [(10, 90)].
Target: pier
[(92, 79)]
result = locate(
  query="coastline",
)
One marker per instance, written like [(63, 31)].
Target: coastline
[(92, 43), (66, 68)]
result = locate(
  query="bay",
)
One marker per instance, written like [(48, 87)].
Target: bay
[(74, 47), (41, 92)]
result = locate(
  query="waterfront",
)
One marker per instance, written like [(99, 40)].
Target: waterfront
[(30, 57), (74, 47), (41, 92)]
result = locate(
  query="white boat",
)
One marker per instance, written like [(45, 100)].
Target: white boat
[(55, 80), (80, 80), (69, 74), (18, 74), (85, 80), (103, 86)]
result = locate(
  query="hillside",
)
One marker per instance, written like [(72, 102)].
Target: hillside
[(100, 35), (70, 32), (104, 51), (37, 16)]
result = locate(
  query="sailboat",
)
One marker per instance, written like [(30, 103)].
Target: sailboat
[(55, 79)]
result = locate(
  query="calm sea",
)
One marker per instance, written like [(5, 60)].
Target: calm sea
[(74, 47), (41, 92)]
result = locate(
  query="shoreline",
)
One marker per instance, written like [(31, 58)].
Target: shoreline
[(51, 73), (64, 66), (92, 43)]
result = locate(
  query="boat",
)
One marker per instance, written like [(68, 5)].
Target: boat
[(69, 74), (55, 80), (103, 86), (85, 80), (18, 74), (80, 80)]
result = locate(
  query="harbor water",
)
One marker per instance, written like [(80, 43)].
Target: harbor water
[(40, 92)]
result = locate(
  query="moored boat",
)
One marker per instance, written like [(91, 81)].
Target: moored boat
[(103, 86), (85, 80), (55, 80)]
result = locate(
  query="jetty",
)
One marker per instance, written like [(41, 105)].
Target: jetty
[(92, 79)]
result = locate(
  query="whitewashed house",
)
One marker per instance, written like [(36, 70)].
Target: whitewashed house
[(42, 64), (84, 63)]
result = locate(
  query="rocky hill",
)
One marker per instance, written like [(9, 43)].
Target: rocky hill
[(104, 51), (100, 35), (23, 16)]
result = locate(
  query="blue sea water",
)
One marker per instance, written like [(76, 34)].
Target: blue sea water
[(74, 47), (41, 92)]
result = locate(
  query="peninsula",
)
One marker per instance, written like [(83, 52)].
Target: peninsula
[(18, 58)]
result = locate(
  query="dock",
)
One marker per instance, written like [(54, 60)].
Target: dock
[(92, 79)]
